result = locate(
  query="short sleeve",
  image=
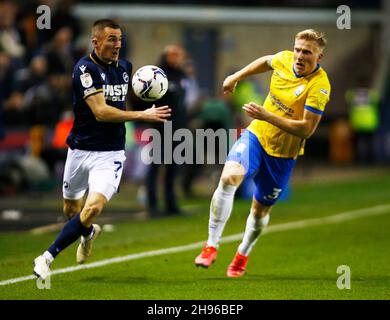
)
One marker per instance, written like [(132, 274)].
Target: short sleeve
[(87, 80), (278, 59), (318, 96)]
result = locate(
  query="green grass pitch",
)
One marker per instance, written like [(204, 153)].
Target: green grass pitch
[(291, 264)]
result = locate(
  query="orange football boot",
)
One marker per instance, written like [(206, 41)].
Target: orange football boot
[(237, 267), (206, 257)]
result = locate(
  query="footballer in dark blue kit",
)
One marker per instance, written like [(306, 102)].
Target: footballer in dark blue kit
[(96, 142), (90, 76)]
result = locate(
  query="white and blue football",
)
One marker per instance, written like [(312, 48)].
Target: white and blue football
[(150, 83)]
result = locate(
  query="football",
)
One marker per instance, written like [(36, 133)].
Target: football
[(149, 83)]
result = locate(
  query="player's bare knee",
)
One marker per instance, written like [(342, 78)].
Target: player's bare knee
[(71, 209), (260, 213), (259, 210), (69, 212), (92, 211), (231, 178), (232, 174)]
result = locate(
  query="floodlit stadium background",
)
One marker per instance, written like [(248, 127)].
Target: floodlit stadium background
[(219, 39)]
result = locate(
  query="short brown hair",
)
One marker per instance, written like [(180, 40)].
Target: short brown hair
[(100, 24), (313, 35)]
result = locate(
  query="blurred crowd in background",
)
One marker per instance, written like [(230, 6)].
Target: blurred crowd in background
[(36, 100), (36, 104), (35, 96)]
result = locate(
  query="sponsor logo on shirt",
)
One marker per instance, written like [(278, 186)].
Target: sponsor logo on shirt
[(115, 92), (89, 91), (280, 106), (324, 91)]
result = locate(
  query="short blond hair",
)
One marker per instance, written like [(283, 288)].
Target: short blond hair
[(313, 35)]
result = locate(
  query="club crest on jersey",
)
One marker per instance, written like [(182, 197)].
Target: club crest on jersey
[(125, 77), (299, 90), (86, 80)]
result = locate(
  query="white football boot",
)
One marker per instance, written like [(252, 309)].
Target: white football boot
[(41, 267), (85, 247)]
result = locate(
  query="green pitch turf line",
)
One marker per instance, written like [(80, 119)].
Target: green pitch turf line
[(337, 218)]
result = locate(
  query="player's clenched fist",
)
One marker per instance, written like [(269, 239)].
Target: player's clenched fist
[(229, 84)]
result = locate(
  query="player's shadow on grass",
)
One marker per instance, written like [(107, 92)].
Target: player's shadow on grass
[(252, 277)]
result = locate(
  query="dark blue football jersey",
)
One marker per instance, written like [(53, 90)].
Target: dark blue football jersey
[(92, 76)]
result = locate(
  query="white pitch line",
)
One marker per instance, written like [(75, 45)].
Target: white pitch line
[(337, 218)]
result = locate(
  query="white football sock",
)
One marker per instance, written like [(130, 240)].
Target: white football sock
[(253, 229), (47, 255), (220, 210)]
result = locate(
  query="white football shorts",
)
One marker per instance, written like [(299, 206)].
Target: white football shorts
[(97, 171)]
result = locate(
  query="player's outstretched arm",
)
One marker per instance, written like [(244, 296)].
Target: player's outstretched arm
[(106, 113), (302, 128), (260, 65)]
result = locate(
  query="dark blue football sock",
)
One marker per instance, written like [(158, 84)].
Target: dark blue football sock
[(72, 230)]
